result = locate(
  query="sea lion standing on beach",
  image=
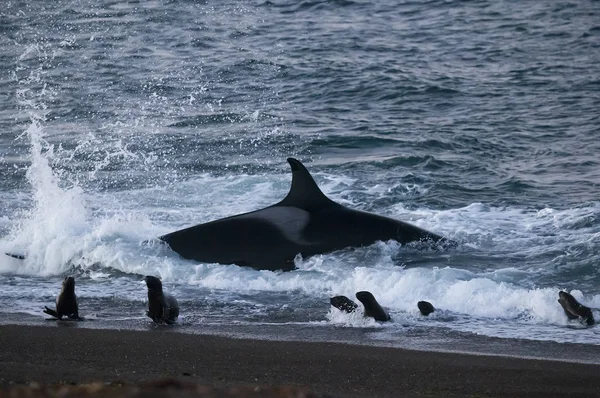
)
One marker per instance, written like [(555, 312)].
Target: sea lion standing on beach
[(66, 302), (162, 307), (574, 310)]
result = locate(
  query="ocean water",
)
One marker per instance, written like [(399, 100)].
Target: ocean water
[(121, 121)]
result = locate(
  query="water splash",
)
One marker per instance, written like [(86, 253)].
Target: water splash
[(45, 233)]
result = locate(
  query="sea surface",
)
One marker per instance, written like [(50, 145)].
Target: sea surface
[(121, 121)]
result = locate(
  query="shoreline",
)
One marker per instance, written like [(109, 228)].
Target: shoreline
[(423, 339), (72, 355)]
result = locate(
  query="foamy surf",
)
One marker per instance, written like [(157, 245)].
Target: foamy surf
[(104, 237)]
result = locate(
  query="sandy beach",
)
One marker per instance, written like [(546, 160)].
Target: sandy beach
[(50, 356)]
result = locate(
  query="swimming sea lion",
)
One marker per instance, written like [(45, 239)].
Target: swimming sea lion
[(162, 307), (372, 307), (343, 304), (425, 307), (66, 302), (574, 310)]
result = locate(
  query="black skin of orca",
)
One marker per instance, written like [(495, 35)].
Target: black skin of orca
[(372, 307), (425, 307), (162, 307), (66, 302), (574, 310), (305, 222)]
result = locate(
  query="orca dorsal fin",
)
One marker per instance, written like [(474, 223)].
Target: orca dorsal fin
[(304, 192)]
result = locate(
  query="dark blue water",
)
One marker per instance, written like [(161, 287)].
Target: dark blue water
[(122, 121)]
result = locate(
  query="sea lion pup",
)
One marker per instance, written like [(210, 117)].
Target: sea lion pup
[(66, 302), (372, 307), (343, 304), (162, 307), (574, 310), (425, 307)]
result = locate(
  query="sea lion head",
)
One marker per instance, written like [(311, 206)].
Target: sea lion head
[(153, 283), (574, 309), (566, 298), (365, 297), (68, 285)]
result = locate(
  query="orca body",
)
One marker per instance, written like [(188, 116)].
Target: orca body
[(305, 222)]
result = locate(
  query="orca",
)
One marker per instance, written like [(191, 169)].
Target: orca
[(305, 222)]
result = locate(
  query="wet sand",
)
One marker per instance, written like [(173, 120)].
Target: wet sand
[(136, 360)]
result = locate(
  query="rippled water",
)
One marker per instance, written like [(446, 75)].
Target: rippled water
[(122, 121)]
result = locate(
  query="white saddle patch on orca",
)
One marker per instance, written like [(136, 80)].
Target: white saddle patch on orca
[(291, 221)]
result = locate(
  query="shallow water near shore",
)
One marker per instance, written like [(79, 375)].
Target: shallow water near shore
[(121, 122), (423, 337)]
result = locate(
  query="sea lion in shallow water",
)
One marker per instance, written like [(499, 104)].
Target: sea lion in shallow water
[(162, 307), (372, 307), (574, 310), (66, 302), (425, 307)]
